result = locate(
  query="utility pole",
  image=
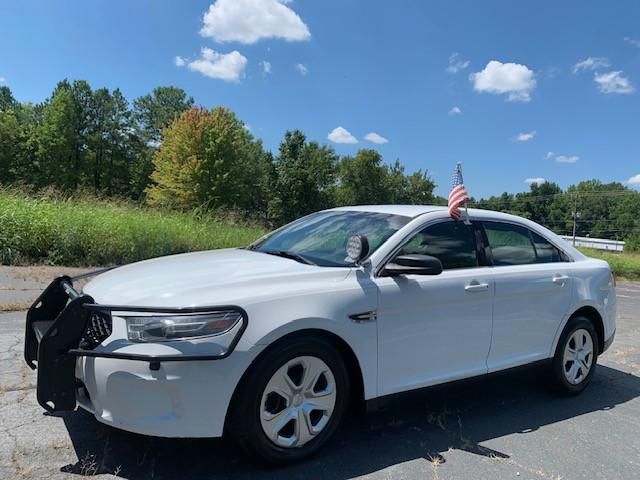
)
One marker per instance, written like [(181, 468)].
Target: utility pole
[(575, 216)]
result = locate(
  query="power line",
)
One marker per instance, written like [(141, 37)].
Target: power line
[(526, 196)]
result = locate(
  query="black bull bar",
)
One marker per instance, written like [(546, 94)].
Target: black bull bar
[(56, 324)]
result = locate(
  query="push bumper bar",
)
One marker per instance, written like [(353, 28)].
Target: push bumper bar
[(57, 324)]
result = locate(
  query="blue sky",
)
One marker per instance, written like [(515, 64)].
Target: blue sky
[(441, 81)]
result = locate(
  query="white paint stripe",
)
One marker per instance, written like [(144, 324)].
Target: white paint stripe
[(623, 296)]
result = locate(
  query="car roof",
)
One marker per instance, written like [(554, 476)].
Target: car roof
[(417, 210), (404, 210)]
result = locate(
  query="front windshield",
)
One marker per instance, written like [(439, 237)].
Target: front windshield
[(322, 237)]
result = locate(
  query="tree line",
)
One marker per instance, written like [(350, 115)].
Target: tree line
[(163, 150), (596, 209)]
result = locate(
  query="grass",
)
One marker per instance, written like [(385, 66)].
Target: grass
[(626, 265), (88, 232), (82, 231)]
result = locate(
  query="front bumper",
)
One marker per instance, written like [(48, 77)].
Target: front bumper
[(165, 393), (179, 400)]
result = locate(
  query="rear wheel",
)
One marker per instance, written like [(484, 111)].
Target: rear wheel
[(576, 355), (291, 402)]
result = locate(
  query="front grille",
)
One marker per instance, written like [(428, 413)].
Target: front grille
[(98, 329)]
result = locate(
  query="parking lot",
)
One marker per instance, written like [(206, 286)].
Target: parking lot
[(505, 426)]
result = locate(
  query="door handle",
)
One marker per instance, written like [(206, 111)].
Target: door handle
[(559, 279), (476, 287)]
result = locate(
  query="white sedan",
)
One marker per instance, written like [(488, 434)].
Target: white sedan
[(272, 343)]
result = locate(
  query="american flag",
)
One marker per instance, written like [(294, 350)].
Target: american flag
[(458, 195)]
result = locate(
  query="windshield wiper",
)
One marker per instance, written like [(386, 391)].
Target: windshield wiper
[(289, 254)]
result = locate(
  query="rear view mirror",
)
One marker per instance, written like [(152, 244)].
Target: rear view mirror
[(414, 264)]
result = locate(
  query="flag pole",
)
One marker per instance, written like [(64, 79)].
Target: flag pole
[(466, 220)]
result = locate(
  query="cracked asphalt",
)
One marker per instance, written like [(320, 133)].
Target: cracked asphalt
[(500, 427)]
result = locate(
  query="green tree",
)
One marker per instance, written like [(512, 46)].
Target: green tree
[(543, 204), (7, 102), (13, 137), (56, 142), (363, 180), (207, 159), (153, 113), (414, 189), (63, 136), (304, 178), (10, 145), (120, 146), (596, 202), (158, 110)]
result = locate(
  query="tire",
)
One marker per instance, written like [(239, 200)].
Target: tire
[(257, 408), (568, 369)]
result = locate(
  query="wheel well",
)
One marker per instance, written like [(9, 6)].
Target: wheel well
[(593, 315), (356, 382)]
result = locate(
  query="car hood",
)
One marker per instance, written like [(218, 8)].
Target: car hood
[(229, 276)]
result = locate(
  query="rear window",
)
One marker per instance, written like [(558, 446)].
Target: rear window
[(516, 245), (546, 252)]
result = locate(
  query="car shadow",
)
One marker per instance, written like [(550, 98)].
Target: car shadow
[(424, 424)]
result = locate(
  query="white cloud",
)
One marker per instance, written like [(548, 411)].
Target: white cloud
[(613, 82), (247, 21), (455, 111), (632, 41), (3, 80), (375, 138), (525, 136), (566, 158), (536, 180), (302, 69), (266, 67), (341, 135), (591, 63), (224, 66), (635, 180), (513, 79), (562, 158), (456, 64), (180, 61)]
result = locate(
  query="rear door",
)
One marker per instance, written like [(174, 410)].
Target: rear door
[(533, 282)]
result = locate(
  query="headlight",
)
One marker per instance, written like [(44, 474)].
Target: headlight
[(163, 328)]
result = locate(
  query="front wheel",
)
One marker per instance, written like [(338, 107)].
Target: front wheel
[(576, 355), (291, 401)]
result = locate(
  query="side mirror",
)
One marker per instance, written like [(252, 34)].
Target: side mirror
[(414, 264)]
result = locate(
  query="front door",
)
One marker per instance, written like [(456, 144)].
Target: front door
[(432, 329)]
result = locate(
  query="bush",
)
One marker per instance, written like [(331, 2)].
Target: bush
[(632, 243), (85, 231)]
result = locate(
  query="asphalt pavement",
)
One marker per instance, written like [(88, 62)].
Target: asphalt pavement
[(500, 427)]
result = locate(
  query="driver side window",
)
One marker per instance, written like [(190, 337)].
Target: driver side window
[(453, 243)]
